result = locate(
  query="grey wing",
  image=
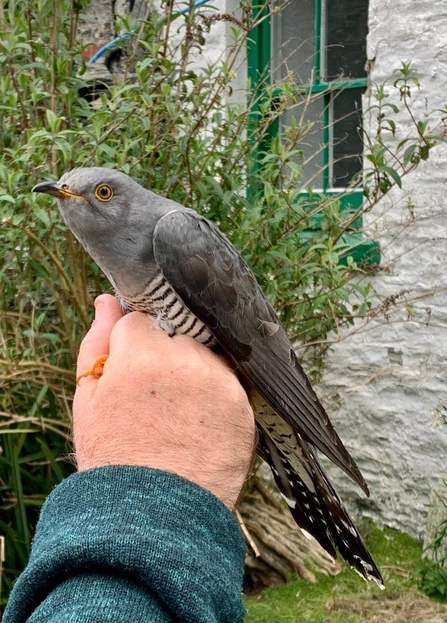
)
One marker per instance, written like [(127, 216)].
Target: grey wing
[(217, 286)]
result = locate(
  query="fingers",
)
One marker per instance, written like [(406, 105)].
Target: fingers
[(119, 335), (136, 330), (96, 342)]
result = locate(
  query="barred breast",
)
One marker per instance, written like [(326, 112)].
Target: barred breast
[(160, 300)]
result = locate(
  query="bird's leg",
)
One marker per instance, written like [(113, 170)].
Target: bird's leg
[(96, 370), (164, 324)]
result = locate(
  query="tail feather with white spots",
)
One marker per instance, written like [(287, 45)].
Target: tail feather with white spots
[(312, 500)]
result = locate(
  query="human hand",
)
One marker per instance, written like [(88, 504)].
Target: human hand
[(166, 403)]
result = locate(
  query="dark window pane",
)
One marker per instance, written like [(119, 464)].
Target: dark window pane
[(347, 143), (346, 32)]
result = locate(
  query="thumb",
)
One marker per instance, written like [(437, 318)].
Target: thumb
[(96, 342)]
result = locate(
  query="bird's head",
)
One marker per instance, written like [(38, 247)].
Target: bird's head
[(109, 213), (93, 194)]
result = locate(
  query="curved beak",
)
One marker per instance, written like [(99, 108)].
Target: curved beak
[(53, 188)]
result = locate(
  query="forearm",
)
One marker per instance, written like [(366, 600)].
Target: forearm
[(131, 544)]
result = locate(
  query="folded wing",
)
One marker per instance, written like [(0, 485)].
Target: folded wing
[(217, 286)]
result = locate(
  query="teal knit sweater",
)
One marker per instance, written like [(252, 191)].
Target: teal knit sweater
[(131, 544)]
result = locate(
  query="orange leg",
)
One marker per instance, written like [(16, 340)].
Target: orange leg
[(96, 370)]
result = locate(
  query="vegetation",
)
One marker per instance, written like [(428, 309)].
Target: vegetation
[(169, 124), (432, 572), (346, 598)]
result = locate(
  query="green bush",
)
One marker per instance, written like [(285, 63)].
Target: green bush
[(431, 574), (432, 579), (172, 127)]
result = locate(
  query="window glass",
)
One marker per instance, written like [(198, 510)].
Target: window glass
[(347, 143), (346, 28), (309, 111), (293, 44), (343, 32)]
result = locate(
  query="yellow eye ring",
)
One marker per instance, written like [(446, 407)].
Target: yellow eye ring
[(104, 192)]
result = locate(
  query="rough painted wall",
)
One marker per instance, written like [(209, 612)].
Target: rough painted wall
[(386, 386)]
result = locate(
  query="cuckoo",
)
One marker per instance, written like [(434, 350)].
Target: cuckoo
[(170, 262)]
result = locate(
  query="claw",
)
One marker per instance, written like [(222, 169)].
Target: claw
[(96, 370)]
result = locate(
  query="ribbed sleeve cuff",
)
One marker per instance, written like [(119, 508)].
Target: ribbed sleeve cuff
[(167, 535)]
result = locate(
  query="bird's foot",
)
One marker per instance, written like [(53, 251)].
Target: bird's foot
[(96, 370), (164, 324)]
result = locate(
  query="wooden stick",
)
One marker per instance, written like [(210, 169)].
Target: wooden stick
[(247, 535)]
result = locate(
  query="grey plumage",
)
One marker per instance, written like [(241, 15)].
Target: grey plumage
[(167, 260)]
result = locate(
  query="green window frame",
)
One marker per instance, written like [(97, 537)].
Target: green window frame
[(259, 59)]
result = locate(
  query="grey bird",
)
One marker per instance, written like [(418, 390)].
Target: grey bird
[(170, 262)]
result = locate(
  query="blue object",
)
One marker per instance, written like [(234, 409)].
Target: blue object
[(128, 543), (126, 35)]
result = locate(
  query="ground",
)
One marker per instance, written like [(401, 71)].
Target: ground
[(346, 598)]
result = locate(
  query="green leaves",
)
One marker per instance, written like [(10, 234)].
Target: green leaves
[(432, 577), (401, 140)]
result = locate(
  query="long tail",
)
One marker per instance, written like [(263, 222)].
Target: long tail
[(313, 501)]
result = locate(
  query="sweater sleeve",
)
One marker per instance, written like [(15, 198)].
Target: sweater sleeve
[(129, 544)]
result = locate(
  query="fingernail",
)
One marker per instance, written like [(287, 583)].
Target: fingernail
[(99, 305)]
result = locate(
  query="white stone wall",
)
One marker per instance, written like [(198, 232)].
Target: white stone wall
[(386, 386)]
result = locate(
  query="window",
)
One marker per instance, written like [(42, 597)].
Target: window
[(323, 44)]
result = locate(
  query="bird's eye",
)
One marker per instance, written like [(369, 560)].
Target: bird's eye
[(64, 186), (103, 192)]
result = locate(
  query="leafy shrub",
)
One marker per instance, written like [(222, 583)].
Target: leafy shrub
[(432, 572), (432, 578)]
